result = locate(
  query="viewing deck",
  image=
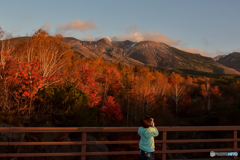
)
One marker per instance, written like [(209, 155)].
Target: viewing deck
[(163, 131)]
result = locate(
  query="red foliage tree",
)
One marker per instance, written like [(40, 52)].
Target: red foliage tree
[(186, 99), (84, 79), (30, 80), (111, 109)]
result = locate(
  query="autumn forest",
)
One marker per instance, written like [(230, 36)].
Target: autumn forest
[(42, 81)]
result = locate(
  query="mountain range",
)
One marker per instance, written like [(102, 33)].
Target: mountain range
[(157, 55), (151, 54)]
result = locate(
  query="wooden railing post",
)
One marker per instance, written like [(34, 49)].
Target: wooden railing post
[(235, 142), (84, 140), (164, 146)]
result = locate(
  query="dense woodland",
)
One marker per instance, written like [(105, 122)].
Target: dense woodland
[(44, 83)]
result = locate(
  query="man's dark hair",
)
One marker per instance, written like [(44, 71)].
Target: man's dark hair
[(146, 122)]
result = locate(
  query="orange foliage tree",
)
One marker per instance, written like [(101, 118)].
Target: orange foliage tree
[(208, 93), (7, 74), (160, 89), (177, 89), (127, 81), (51, 52), (143, 91)]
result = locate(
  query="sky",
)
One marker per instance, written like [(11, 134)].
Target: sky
[(207, 27)]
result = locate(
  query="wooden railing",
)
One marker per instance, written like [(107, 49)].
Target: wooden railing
[(84, 142)]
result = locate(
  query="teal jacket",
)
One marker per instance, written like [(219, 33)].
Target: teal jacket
[(147, 138)]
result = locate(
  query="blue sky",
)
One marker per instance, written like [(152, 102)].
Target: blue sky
[(208, 27)]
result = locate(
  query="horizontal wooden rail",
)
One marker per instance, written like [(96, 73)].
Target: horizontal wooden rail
[(113, 129), (112, 142), (84, 142)]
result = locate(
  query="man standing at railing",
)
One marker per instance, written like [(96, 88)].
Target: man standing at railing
[(147, 132)]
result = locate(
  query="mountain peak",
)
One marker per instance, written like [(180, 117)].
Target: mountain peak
[(106, 39), (218, 57)]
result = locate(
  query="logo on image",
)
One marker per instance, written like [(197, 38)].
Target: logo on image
[(212, 153)]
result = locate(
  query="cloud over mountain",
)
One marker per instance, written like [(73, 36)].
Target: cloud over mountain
[(46, 27), (77, 25), (149, 36)]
